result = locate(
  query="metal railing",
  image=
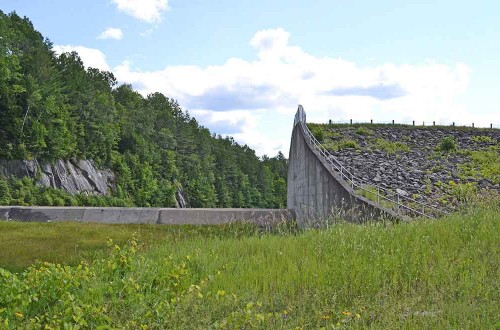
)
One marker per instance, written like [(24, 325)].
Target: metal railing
[(424, 123), (401, 204)]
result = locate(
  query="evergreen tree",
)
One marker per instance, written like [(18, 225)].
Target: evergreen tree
[(52, 108)]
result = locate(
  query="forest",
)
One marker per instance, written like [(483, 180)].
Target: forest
[(52, 107)]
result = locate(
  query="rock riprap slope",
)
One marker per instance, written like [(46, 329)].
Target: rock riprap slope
[(441, 166)]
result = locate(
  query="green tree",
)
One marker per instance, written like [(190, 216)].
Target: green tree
[(52, 107), (5, 195)]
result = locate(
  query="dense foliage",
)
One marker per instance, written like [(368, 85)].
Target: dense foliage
[(52, 108)]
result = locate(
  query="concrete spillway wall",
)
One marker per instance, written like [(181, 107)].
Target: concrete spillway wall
[(125, 215), (315, 191)]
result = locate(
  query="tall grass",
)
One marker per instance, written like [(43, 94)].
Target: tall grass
[(370, 192), (424, 274), (389, 146), (21, 244)]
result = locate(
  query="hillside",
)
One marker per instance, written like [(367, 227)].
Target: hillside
[(53, 111), (442, 166)]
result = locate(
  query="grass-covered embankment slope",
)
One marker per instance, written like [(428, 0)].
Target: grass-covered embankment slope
[(425, 274)]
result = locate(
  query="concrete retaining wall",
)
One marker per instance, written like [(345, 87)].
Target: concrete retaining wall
[(261, 217), (317, 193)]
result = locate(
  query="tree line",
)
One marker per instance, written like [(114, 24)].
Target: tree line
[(52, 108)]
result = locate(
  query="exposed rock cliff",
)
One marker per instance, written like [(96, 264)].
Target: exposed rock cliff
[(73, 176), (180, 201)]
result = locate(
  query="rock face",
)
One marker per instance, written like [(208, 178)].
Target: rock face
[(180, 201), (73, 176)]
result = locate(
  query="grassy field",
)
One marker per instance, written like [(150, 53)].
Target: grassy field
[(425, 274), (21, 244)]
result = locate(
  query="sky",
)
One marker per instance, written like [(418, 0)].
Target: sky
[(241, 68)]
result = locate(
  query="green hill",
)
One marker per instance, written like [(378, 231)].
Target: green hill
[(52, 108)]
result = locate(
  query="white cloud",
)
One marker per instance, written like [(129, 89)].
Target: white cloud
[(268, 90), (91, 57), (111, 33), (145, 10), (257, 99), (270, 43)]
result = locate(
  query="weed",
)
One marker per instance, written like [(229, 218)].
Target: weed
[(318, 131), (483, 139), (428, 185), (349, 144), (437, 168), (390, 147), (370, 192), (423, 274), (361, 130), (483, 164), (463, 192), (333, 134), (339, 145)]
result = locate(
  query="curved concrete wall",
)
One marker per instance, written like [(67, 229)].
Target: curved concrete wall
[(316, 192), (124, 215)]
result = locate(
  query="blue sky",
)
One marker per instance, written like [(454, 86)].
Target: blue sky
[(241, 67)]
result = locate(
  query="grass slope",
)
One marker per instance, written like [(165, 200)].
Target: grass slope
[(425, 274)]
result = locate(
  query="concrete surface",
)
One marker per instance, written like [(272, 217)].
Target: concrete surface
[(4, 212), (45, 214), (123, 215), (261, 217), (317, 193)]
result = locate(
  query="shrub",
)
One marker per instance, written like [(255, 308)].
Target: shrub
[(463, 192), (333, 134), (45, 199), (58, 201), (483, 139), (349, 144), (364, 131), (390, 147), (483, 164), (448, 144), (4, 192), (318, 133), (339, 145)]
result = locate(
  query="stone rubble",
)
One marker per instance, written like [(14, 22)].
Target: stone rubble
[(414, 173)]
